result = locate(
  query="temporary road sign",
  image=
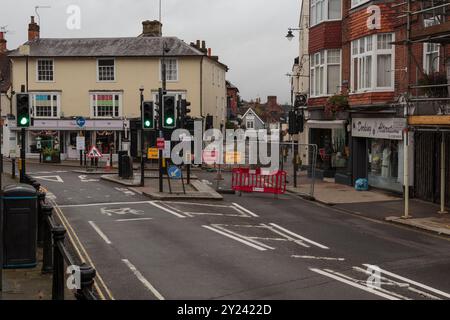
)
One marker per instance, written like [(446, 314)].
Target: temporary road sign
[(81, 143), (153, 153), (160, 143), (94, 153)]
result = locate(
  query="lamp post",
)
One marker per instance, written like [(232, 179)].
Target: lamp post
[(161, 93)]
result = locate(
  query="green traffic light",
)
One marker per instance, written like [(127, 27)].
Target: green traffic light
[(147, 123), (169, 121), (24, 121)]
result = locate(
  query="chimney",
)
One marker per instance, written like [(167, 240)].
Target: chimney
[(152, 28), (2, 43), (272, 101), (197, 44), (209, 52), (33, 30)]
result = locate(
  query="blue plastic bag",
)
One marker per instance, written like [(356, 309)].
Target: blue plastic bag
[(362, 185)]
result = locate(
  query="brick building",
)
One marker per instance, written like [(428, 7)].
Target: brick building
[(370, 78), (232, 100)]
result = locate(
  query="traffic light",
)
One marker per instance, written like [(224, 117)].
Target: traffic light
[(184, 104), (300, 123), (148, 115), (23, 110), (169, 114), (293, 124)]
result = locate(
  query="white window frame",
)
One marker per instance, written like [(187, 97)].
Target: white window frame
[(324, 14), (357, 3), (247, 122), (95, 112), (374, 52), (34, 112), (53, 70), (427, 53), (98, 70), (324, 65), (426, 66), (177, 70)]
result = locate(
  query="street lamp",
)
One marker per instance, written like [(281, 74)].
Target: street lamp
[(141, 91), (290, 35)]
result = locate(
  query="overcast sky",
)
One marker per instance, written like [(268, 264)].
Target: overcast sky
[(248, 35)]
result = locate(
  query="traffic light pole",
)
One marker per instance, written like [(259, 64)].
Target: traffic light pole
[(142, 141), (22, 156), (160, 134)]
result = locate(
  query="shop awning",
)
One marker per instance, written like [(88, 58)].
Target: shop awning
[(323, 124)]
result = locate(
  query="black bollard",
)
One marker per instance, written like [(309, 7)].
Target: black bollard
[(59, 234), (87, 275), (40, 235)]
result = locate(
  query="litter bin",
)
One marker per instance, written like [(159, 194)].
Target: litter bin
[(127, 172), (20, 210), (121, 154)]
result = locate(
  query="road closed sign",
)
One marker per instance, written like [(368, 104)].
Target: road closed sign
[(94, 153)]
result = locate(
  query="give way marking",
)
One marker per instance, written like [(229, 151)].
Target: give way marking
[(51, 178), (85, 179)]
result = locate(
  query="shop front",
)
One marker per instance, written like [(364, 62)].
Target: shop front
[(59, 137), (332, 140), (378, 150)]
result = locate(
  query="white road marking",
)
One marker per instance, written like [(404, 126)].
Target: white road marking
[(353, 284), (137, 219), (417, 284), (50, 178), (289, 238), (235, 238), (398, 284), (102, 204), (153, 203), (245, 210), (300, 237), (126, 191), (85, 179), (100, 232), (318, 258), (142, 279), (221, 227), (121, 211)]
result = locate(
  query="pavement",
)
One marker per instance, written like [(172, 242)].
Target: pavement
[(194, 190), (27, 284)]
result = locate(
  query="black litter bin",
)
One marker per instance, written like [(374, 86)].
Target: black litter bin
[(127, 172), (20, 210), (121, 154)]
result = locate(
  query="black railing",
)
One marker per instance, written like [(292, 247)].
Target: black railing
[(51, 237)]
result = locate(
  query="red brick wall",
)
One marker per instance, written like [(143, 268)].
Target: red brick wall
[(326, 35)]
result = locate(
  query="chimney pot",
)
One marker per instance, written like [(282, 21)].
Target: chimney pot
[(203, 44), (198, 44), (209, 52)]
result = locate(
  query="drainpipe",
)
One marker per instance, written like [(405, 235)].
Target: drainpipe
[(201, 87), (443, 211)]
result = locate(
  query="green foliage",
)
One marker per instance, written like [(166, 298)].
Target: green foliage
[(336, 103), (49, 152)]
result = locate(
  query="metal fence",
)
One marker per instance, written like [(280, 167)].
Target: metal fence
[(56, 256)]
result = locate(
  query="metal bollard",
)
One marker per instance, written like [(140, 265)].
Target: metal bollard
[(41, 202), (47, 263), (87, 282), (59, 234)]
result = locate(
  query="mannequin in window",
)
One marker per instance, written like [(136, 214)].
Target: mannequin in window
[(386, 163)]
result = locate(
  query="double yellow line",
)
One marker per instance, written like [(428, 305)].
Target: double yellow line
[(103, 292)]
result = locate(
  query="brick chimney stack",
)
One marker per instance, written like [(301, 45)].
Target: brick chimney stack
[(33, 30), (2, 43), (152, 28)]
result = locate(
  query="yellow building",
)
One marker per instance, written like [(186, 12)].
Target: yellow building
[(99, 79)]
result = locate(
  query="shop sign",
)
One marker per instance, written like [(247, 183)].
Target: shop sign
[(379, 128)]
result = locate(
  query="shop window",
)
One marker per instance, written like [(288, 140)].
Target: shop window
[(106, 105), (384, 164)]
